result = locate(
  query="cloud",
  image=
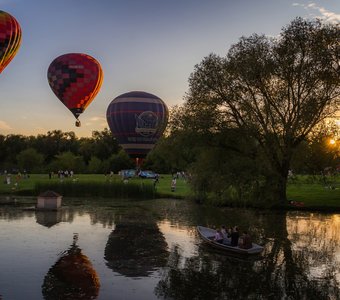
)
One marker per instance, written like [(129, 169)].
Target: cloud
[(323, 13), (4, 126), (101, 121), (95, 119)]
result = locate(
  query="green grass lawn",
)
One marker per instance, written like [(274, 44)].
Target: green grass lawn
[(313, 194), (164, 187)]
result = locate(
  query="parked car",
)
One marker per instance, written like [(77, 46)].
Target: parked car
[(128, 173), (148, 174)]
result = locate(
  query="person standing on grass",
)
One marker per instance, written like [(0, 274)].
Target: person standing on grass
[(173, 184)]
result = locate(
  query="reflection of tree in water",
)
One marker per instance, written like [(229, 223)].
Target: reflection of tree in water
[(13, 213), (289, 260), (72, 277), (136, 247), (283, 273), (315, 241), (103, 215), (46, 218), (49, 218), (207, 277)]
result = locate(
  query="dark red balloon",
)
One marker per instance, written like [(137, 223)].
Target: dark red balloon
[(137, 120), (75, 78)]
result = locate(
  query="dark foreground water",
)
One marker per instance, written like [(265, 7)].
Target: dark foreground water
[(150, 250)]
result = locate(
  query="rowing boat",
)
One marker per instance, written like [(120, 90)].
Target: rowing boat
[(208, 235)]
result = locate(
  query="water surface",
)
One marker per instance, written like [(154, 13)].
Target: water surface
[(151, 250)]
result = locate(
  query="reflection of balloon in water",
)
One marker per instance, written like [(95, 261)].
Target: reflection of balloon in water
[(75, 78), (71, 277), (137, 120), (10, 38), (136, 248)]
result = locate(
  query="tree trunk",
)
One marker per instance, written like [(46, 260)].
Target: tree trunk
[(282, 181), (277, 183), (282, 190)]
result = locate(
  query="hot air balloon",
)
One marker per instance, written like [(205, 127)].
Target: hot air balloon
[(75, 78), (137, 120), (10, 38)]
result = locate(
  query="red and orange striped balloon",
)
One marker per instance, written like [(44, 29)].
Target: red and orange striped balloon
[(10, 38)]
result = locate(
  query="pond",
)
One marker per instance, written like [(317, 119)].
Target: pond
[(100, 249)]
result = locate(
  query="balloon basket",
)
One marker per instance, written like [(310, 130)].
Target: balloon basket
[(138, 162), (78, 124)]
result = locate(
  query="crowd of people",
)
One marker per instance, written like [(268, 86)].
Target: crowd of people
[(232, 237), (14, 178)]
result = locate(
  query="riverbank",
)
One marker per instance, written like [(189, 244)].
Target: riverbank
[(304, 193)]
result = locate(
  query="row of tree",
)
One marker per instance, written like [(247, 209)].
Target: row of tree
[(180, 150), (59, 150)]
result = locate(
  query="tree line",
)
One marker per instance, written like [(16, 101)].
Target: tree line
[(59, 150), (179, 150)]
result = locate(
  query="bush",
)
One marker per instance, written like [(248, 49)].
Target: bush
[(115, 189)]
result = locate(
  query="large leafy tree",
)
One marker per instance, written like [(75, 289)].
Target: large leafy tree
[(104, 144), (10, 146), (118, 162), (30, 160), (68, 161), (276, 89), (54, 143)]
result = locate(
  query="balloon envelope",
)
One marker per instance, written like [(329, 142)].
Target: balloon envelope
[(10, 38), (75, 78), (137, 120)]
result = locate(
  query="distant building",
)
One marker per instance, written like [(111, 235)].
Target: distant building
[(49, 200)]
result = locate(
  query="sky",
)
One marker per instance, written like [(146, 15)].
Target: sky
[(142, 45)]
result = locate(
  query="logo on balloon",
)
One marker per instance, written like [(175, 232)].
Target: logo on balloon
[(146, 123)]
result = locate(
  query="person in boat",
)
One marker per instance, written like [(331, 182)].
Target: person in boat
[(226, 236), (229, 232), (224, 231), (246, 242), (218, 236), (234, 237)]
